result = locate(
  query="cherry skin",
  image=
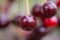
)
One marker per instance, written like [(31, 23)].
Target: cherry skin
[(27, 22), (37, 10), (50, 22), (4, 21), (50, 9), (58, 3), (16, 20), (38, 33)]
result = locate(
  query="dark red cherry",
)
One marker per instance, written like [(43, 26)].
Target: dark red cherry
[(37, 10), (27, 22), (4, 21), (58, 3), (16, 19), (51, 22), (38, 33), (50, 9)]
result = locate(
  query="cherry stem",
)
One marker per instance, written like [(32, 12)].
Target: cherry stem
[(27, 7)]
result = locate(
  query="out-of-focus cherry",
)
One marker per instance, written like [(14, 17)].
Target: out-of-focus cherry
[(50, 9), (4, 21), (37, 10), (38, 33), (50, 22), (58, 3)]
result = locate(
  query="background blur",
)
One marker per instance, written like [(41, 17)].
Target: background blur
[(19, 6)]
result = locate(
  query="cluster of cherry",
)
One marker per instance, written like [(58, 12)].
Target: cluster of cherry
[(47, 13)]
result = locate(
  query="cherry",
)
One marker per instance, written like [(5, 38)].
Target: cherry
[(58, 3), (27, 22), (50, 22), (37, 10), (50, 9), (38, 33), (4, 21)]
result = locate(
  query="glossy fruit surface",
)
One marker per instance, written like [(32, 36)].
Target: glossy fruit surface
[(50, 22), (37, 10), (27, 22), (50, 9), (4, 21)]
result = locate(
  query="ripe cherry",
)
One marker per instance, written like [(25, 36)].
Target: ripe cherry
[(50, 22), (58, 3), (27, 22), (37, 10), (4, 21), (38, 33), (50, 9)]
